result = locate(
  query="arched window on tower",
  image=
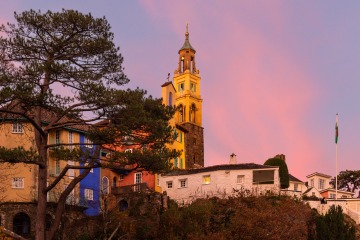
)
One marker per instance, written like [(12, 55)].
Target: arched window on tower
[(192, 112), (192, 65), (182, 64), (181, 113), (170, 99)]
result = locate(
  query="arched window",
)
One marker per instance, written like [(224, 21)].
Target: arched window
[(21, 224), (181, 113), (114, 182), (192, 113), (105, 185), (192, 65), (182, 64), (170, 99)]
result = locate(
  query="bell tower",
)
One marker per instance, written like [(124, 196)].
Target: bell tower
[(189, 104)]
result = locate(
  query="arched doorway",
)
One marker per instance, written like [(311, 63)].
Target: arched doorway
[(123, 205), (21, 224)]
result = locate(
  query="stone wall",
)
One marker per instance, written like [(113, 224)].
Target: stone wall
[(194, 145), (8, 210)]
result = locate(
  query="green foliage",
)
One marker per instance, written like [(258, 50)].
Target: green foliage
[(283, 170), (265, 217), (332, 226), (62, 70), (348, 180), (268, 217)]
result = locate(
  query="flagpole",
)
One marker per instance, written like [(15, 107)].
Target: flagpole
[(336, 153)]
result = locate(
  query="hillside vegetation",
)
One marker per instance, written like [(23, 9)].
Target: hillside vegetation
[(247, 218)]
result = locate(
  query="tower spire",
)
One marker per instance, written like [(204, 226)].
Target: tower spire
[(187, 31)]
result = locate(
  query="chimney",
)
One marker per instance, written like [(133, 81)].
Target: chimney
[(233, 158)]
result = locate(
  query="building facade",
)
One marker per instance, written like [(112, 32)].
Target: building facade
[(185, 186)]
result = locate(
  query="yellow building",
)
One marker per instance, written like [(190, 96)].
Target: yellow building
[(18, 182), (184, 93)]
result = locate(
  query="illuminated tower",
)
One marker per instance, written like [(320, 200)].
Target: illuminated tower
[(189, 104)]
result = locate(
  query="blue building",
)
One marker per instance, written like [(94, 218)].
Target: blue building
[(90, 185)]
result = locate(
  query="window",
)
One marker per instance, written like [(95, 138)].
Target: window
[(182, 64), (192, 112), (138, 181), (57, 167), (175, 162), (89, 194), (181, 163), (17, 127), (332, 195), (193, 87), (128, 150), (105, 186), (296, 185), (70, 139), (169, 184), (240, 179), (88, 142), (71, 172), (181, 87), (170, 99), (121, 177), (57, 137), (263, 177), (311, 182), (206, 179), (114, 182), (181, 110), (17, 182), (321, 183), (138, 178), (175, 134), (183, 183), (178, 136), (313, 194)]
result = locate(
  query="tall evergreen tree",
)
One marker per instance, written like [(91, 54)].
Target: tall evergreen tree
[(65, 66), (283, 170)]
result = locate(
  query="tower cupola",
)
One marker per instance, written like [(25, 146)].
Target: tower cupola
[(187, 56)]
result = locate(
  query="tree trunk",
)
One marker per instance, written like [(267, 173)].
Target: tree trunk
[(41, 206)]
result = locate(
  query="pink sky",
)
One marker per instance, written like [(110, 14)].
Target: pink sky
[(274, 73)]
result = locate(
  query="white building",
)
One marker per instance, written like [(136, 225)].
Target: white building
[(296, 187), (184, 186), (319, 181)]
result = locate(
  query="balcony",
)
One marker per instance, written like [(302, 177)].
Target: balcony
[(139, 188)]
